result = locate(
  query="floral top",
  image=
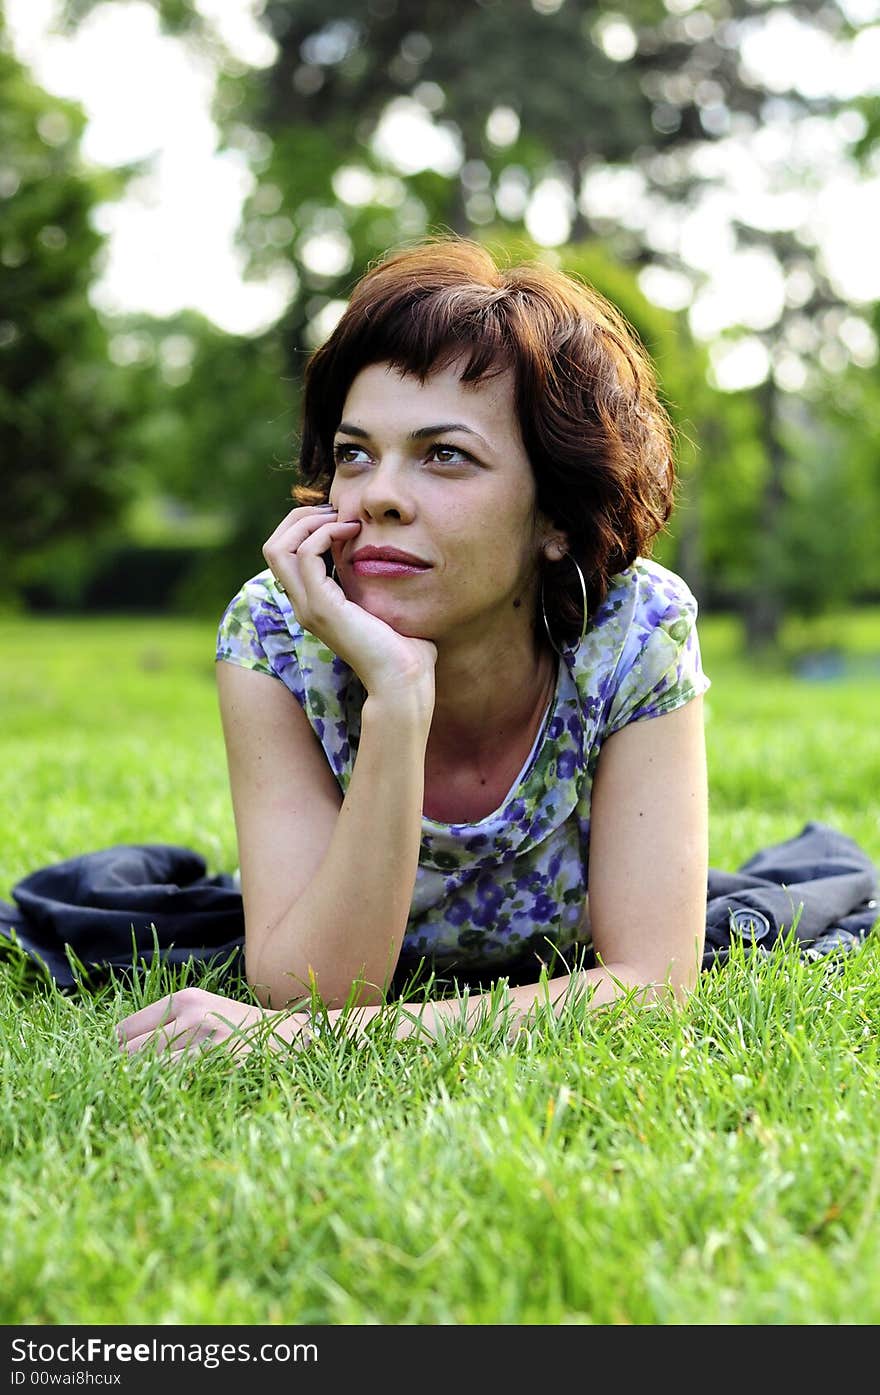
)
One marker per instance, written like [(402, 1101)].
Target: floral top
[(491, 896)]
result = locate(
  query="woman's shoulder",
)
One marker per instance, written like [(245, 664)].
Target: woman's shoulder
[(258, 601), (639, 600), (640, 655), (254, 632), (259, 629), (650, 592), (644, 658)]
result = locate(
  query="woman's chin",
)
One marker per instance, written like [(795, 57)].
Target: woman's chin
[(400, 618), (405, 625)]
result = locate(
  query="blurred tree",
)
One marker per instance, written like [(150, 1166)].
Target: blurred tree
[(215, 450), (751, 150), (62, 410), (657, 127), (828, 554), (681, 367), (718, 447)]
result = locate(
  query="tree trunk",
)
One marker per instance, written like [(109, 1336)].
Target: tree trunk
[(764, 606), (689, 536)]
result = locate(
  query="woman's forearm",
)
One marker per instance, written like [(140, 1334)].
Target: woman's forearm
[(601, 985), (516, 1006), (349, 922)]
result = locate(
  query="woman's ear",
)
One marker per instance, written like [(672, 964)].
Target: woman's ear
[(554, 542), (555, 546)]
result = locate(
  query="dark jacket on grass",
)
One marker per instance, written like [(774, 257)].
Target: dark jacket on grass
[(123, 905)]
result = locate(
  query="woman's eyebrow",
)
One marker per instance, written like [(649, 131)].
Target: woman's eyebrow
[(347, 429)]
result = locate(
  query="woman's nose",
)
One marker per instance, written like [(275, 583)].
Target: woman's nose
[(383, 495)]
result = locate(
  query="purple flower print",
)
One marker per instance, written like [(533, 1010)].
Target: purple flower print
[(566, 764), (544, 908), (266, 623), (478, 841), (459, 911), (488, 891)]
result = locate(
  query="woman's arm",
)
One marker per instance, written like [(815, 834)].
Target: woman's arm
[(649, 848), (326, 882)]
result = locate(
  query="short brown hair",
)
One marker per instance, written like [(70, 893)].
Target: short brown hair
[(597, 437)]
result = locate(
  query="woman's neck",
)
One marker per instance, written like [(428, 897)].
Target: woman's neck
[(489, 697)]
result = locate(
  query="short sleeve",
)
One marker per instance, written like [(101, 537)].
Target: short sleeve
[(660, 667), (254, 633), (238, 641)]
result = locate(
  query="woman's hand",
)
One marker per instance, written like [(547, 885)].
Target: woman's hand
[(193, 1020), (385, 661)]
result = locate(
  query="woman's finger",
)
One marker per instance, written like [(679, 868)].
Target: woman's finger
[(301, 514), (282, 548), (291, 532), (303, 570), (192, 1041), (291, 542), (146, 1020), (316, 544), (201, 1048), (159, 1039), (293, 529)]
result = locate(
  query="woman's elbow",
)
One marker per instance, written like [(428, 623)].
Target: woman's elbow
[(679, 980), (671, 983), (281, 991)]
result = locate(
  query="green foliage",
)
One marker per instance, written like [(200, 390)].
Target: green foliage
[(208, 469), (843, 486), (221, 439), (62, 408), (719, 456), (770, 481)]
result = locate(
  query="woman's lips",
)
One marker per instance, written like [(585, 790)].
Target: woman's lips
[(382, 566), (370, 560)]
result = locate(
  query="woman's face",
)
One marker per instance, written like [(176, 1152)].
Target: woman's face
[(437, 471)]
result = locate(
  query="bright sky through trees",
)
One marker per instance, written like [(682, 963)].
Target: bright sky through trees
[(171, 240)]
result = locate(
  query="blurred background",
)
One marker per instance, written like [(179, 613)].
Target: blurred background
[(189, 189)]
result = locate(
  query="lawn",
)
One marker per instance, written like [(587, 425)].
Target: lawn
[(719, 1166)]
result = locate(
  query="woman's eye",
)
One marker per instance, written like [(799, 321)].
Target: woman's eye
[(450, 455), (344, 454)]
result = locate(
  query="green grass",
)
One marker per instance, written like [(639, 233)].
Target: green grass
[(716, 1166)]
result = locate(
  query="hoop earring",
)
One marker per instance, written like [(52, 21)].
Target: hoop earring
[(586, 615)]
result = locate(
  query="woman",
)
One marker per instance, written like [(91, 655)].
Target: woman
[(435, 697)]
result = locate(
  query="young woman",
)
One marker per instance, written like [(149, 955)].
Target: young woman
[(462, 708)]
